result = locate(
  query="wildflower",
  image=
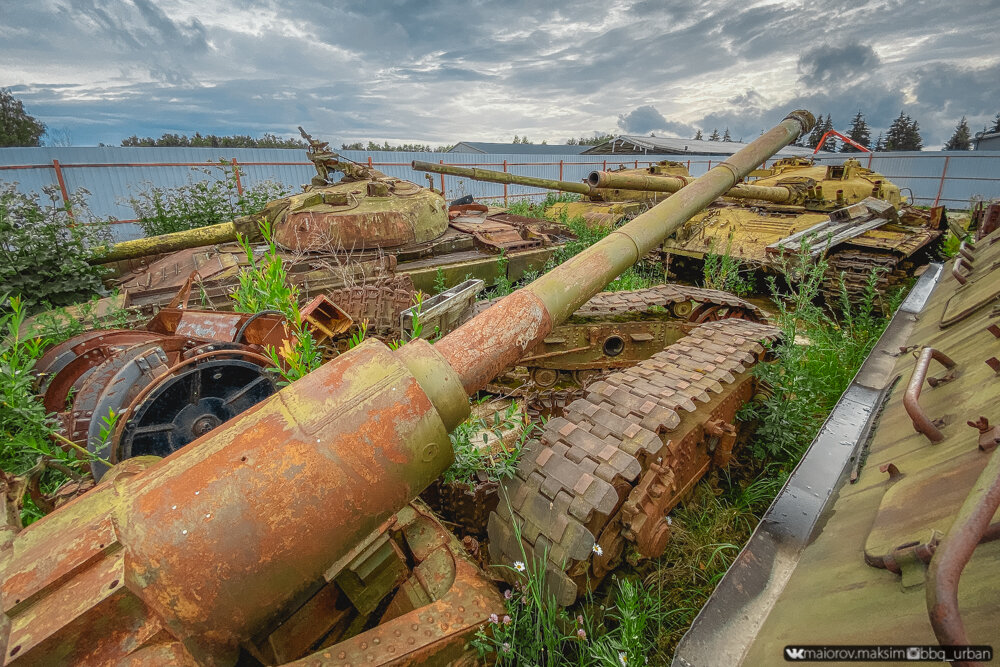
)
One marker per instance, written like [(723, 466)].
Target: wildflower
[(670, 521), (581, 633), (622, 658), (519, 566), (507, 594), (506, 647), (579, 619), (598, 550), (494, 618), (506, 619)]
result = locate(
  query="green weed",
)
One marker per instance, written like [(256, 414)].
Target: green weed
[(263, 286), (724, 272), (29, 437), (472, 457)]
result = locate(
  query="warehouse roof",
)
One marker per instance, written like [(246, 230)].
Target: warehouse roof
[(634, 144)]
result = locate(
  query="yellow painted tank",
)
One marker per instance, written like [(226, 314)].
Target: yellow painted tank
[(606, 207), (878, 228)]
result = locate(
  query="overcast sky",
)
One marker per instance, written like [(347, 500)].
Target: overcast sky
[(447, 71)]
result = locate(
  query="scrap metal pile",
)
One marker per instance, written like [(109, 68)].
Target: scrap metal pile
[(290, 533)]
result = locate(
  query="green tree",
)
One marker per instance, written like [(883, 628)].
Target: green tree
[(214, 141), (996, 123), (697, 136), (726, 137), (859, 132), (17, 127), (714, 136), (961, 140), (903, 135), (879, 144)]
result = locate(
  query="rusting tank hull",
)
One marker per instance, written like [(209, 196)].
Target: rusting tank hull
[(904, 517)]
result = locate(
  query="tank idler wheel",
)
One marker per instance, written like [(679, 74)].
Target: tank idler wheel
[(544, 377)]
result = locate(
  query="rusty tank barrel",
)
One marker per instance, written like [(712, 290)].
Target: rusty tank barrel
[(498, 337), (223, 232), (650, 183), (219, 542), (502, 177)]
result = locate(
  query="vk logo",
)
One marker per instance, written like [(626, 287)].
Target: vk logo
[(794, 653)]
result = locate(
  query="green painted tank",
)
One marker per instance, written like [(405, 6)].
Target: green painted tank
[(340, 233)]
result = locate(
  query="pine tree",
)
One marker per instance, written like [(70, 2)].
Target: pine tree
[(896, 135), (962, 139), (697, 136), (879, 144), (726, 137), (859, 133), (817, 132), (996, 123), (714, 136), (914, 142), (830, 144), (517, 139)]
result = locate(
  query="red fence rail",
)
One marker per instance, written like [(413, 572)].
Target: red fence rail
[(59, 168)]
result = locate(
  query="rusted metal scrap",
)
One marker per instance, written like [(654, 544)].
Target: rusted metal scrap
[(205, 555)]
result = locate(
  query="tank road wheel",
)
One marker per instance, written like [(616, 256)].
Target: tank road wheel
[(681, 309), (620, 458), (544, 377)]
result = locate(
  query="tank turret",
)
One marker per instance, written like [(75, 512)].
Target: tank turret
[(334, 232), (233, 544)]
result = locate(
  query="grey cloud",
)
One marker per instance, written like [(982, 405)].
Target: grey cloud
[(642, 120), (833, 63), (459, 69)]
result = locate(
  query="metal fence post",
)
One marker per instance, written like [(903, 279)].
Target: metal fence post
[(944, 170), (505, 185), (62, 188), (239, 182), (441, 161), (560, 170)]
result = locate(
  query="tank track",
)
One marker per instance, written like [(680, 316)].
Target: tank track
[(708, 302), (856, 265), (609, 471)]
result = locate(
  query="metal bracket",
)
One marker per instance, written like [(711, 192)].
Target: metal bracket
[(911, 399)]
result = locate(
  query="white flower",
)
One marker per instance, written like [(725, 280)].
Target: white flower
[(598, 550), (622, 658), (506, 647), (670, 521), (519, 566)]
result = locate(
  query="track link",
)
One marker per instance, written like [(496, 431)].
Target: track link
[(856, 266), (624, 454)]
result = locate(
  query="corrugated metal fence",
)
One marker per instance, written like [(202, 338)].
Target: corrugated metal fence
[(112, 174)]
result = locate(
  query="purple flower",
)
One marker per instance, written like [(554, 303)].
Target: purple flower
[(507, 594), (581, 633), (506, 647), (506, 619), (494, 618)]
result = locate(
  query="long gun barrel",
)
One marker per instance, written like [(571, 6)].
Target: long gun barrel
[(224, 232), (649, 183), (502, 177), (222, 540)]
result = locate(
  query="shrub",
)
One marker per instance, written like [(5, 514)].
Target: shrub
[(201, 202), (44, 251)]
